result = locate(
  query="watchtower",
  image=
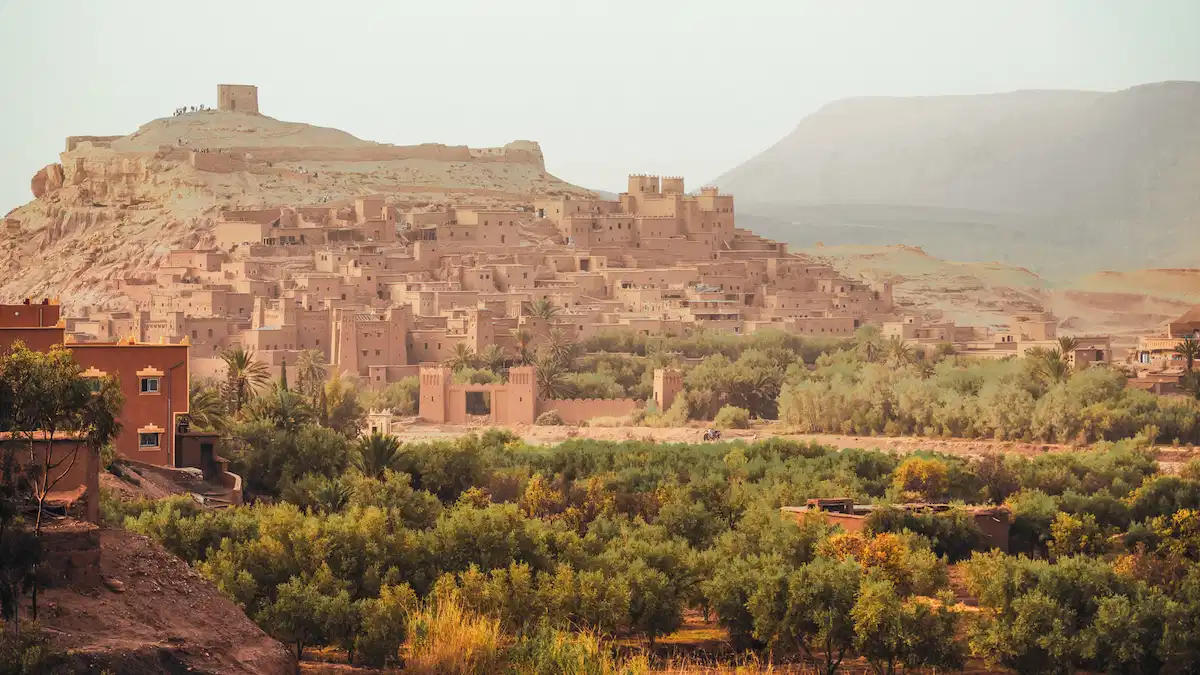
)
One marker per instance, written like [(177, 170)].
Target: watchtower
[(672, 185), (641, 184), (435, 385), (241, 98), (668, 382)]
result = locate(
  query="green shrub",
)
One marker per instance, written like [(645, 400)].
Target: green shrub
[(732, 417)]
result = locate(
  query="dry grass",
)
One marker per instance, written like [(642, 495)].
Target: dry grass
[(444, 638)]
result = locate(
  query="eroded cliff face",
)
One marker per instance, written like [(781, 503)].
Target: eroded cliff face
[(113, 207)]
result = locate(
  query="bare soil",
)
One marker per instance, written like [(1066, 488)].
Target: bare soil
[(163, 618)]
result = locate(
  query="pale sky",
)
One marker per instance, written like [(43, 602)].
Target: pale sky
[(608, 87)]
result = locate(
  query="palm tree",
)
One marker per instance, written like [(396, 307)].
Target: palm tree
[(869, 345), (542, 308), (462, 357), (899, 352), (311, 373), (524, 342), (1048, 366), (1189, 349), (331, 496), (1066, 348), (376, 453), (560, 348), (550, 380), (1190, 384), (493, 357), (244, 375), (287, 410), (206, 409)]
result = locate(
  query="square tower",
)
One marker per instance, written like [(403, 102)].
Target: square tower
[(241, 98), (668, 383)]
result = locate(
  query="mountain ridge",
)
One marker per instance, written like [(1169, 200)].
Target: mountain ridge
[(1082, 166)]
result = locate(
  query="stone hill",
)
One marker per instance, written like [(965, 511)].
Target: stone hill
[(1064, 182), (115, 205)]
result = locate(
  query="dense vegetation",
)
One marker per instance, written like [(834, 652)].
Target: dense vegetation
[(863, 386), (357, 549)]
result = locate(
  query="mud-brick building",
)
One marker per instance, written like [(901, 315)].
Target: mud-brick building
[(153, 377)]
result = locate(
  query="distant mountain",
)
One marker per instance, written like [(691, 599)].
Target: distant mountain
[(1064, 182)]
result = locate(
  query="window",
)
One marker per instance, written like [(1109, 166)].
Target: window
[(147, 441), (376, 352), (150, 385), (209, 332), (93, 385)]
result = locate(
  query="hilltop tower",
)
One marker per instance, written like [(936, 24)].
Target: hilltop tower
[(241, 98)]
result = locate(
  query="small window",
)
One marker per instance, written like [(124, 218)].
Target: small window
[(148, 440), (149, 385), (376, 352), (93, 385)]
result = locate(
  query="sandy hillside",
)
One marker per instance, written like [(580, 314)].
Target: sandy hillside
[(1123, 304), (113, 208), (968, 293)]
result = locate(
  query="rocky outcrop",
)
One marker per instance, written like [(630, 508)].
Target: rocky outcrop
[(50, 178)]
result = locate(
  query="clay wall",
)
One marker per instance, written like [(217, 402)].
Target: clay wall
[(372, 153), (679, 248), (656, 227), (218, 162), (78, 465), (37, 339), (381, 376), (578, 410), (230, 235), (432, 345), (514, 276), (97, 141), (269, 338), (32, 315)]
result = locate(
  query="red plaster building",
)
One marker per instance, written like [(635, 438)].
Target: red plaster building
[(154, 377)]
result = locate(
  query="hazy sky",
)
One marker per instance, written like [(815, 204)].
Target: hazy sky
[(608, 87)]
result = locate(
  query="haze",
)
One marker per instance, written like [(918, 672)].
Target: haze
[(607, 88)]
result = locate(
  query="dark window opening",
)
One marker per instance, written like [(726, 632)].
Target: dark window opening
[(479, 403)]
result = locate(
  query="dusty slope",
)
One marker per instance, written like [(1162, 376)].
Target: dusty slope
[(1121, 304), (167, 620), (113, 210), (1101, 180), (969, 293)]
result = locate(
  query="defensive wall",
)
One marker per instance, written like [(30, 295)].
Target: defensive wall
[(576, 410)]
